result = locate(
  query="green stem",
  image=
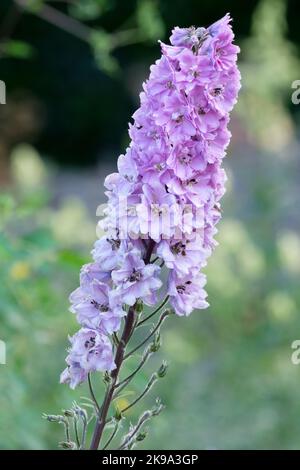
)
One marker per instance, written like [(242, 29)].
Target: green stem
[(153, 313), (142, 420), (112, 435), (151, 382), (93, 394), (130, 377), (159, 323), (76, 432)]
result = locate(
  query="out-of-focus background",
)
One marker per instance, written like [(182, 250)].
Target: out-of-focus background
[(73, 72)]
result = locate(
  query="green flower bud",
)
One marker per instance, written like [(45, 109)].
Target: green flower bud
[(162, 370), (54, 418), (69, 413), (106, 378), (158, 408), (68, 445), (169, 311), (156, 343), (141, 436), (139, 306), (118, 415)]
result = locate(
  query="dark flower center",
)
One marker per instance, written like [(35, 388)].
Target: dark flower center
[(90, 343), (179, 248), (103, 308), (115, 243), (191, 182), (179, 118), (217, 91), (135, 276), (185, 158), (180, 289)]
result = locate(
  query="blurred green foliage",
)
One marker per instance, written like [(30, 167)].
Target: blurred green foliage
[(270, 66), (85, 62), (145, 25), (227, 363), (36, 273), (16, 49), (231, 383)]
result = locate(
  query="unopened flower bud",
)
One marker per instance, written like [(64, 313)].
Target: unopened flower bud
[(141, 436), (147, 414), (106, 378), (69, 413), (156, 343), (118, 415), (139, 306), (158, 408), (68, 445), (162, 370), (169, 311), (54, 418), (80, 412)]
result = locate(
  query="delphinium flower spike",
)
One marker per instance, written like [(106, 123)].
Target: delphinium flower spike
[(163, 204)]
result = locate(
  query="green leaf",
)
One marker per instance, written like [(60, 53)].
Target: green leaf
[(149, 20), (101, 43), (17, 49), (7, 205), (89, 9), (71, 258), (33, 6)]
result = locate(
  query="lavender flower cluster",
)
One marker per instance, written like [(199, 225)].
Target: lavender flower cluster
[(164, 200)]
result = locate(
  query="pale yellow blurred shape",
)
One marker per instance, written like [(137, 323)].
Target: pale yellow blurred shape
[(221, 276), (179, 347), (28, 169), (43, 336), (232, 234), (121, 403), (249, 256), (288, 244), (284, 370), (71, 224), (236, 257), (20, 271), (280, 305), (229, 182), (252, 261)]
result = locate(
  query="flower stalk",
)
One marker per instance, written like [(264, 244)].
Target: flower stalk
[(160, 220), (99, 428)]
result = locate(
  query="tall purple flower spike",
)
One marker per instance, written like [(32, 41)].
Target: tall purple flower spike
[(164, 202)]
